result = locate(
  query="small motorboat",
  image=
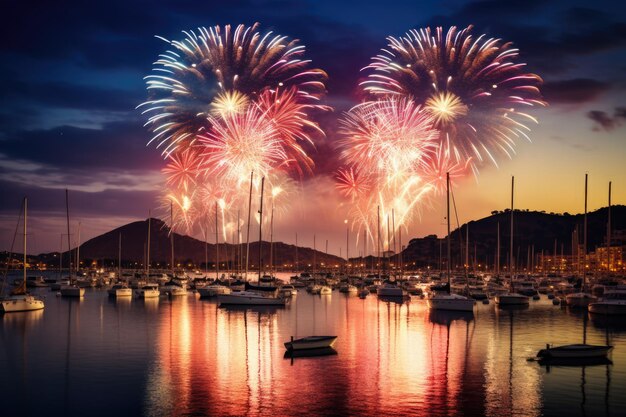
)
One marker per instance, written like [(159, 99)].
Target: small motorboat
[(311, 342), (579, 350)]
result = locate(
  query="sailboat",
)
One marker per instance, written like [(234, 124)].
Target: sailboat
[(173, 288), (582, 299), (71, 290), (20, 299), (255, 294), (511, 298), (216, 288), (446, 300)]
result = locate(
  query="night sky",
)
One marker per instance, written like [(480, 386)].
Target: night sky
[(73, 74)]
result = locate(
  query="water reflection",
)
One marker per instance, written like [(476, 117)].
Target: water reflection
[(186, 356)]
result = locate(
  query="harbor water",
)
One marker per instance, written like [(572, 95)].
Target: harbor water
[(187, 356)]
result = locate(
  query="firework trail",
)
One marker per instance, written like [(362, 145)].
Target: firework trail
[(474, 88)]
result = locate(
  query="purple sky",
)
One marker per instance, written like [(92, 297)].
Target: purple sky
[(74, 74)]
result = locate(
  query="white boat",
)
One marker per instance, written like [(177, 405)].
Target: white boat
[(311, 342), (250, 298), (574, 351), (326, 290), (613, 303), (120, 290), (580, 299), (176, 291), (20, 300), (390, 289), (288, 290), (445, 300), (450, 302), (148, 291), (314, 289), (213, 290), (512, 299)]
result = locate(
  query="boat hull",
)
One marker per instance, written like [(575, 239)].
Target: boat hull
[(451, 304), (579, 300), (608, 308), (575, 351), (72, 291), (512, 300), (120, 292), (313, 342), (249, 299), (18, 303), (390, 292)]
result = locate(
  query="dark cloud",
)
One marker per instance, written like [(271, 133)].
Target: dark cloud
[(46, 200), (116, 145), (574, 91), (72, 96), (603, 121), (551, 47)]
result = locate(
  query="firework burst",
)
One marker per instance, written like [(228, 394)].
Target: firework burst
[(474, 88), (216, 71), (384, 145), (224, 102)]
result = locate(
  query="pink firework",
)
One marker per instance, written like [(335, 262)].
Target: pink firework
[(351, 183), (240, 144), (388, 136), (288, 113), (182, 169)]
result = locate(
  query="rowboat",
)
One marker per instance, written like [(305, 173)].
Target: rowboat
[(311, 342), (574, 351)]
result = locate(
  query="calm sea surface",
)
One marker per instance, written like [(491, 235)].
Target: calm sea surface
[(186, 356)]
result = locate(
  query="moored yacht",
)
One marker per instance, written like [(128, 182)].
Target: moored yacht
[(148, 291), (120, 290), (613, 303), (580, 299), (446, 300), (390, 289), (251, 298), (20, 299)]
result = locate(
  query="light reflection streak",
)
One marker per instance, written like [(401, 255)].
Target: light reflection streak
[(392, 358)]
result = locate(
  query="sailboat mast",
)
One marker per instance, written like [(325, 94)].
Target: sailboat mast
[(69, 245), (119, 258), (448, 219), (585, 239), (206, 247), (78, 252), (272, 240), (248, 232), (172, 234), (608, 237), (393, 232), (25, 221), (498, 252), (261, 228), (378, 238), (296, 251), (217, 247), (511, 242), (148, 249)]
